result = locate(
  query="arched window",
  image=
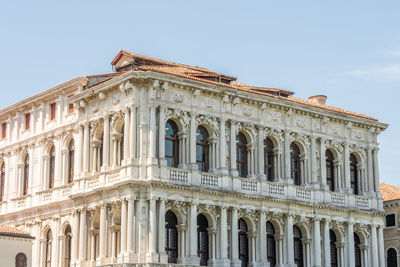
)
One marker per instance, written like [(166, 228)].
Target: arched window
[(49, 241), (2, 179), (243, 243), (202, 149), (271, 248), (172, 144), (121, 146), (20, 260), (298, 246), (269, 159), (171, 237), (295, 164), (333, 248), (71, 155), (52, 161), (67, 247), (329, 170), (241, 155), (202, 239), (391, 258), (26, 175), (357, 251), (353, 174)]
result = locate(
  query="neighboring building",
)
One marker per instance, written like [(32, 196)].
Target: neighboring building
[(391, 203), (162, 162), (15, 247)]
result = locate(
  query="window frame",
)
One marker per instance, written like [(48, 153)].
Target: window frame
[(354, 174), (4, 130), (174, 138), (202, 163), (330, 173), (27, 121), (52, 111), (242, 146), (71, 159), (269, 153), (52, 162), (394, 220), (26, 176), (295, 156)]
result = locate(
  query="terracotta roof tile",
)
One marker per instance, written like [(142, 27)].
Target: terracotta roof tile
[(13, 232), (390, 192)]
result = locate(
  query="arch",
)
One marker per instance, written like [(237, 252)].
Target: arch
[(2, 179), (329, 165), (25, 178), (20, 260), (211, 219), (295, 170), (172, 143), (202, 148), (71, 159), (48, 247), (243, 242), (52, 162), (269, 166), (333, 249), (298, 246), (271, 245), (354, 173), (241, 155), (171, 236), (202, 239), (357, 250), (391, 260)]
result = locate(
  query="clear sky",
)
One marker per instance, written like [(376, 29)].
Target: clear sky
[(348, 51)]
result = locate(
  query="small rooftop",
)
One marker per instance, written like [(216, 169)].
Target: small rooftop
[(14, 232), (390, 192)]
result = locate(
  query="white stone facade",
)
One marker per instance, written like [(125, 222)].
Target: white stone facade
[(115, 203)]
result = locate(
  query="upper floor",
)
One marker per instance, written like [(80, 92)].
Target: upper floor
[(159, 121)]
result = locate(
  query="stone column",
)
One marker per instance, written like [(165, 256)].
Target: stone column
[(371, 183), (376, 172), (86, 147), (223, 238), (161, 232), (289, 239), (132, 135), (313, 162), (102, 234), (126, 133), (152, 234), (192, 142), (324, 184), (350, 245), (181, 228), (152, 133), (192, 228), (82, 236), (381, 246), (260, 149), (252, 235), (374, 246), (279, 247), (287, 156), (106, 141), (222, 147), (123, 229), (262, 239), (233, 170), (234, 238), (130, 224), (317, 242), (327, 244), (346, 155), (75, 236)]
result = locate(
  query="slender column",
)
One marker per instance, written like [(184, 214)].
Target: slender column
[(132, 135), (86, 147), (260, 149), (152, 132), (233, 169), (287, 155), (317, 242), (152, 226), (123, 225), (279, 241), (371, 183), (347, 167), (223, 234), (181, 228), (234, 235), (126, 133), (78, 152), (192, 140), (327, 244), (376, 171), (82, 236), (381, 246), (93, 247), (161, 136), (113, 243), (313, 160), (374, 246), (262, 238), (75, 235), (289, 239), (222, 147), (106, 141), (193, 230), (252, 236), (103, 232), (350, 245), (130, 233), (161, 227), (323, 164)]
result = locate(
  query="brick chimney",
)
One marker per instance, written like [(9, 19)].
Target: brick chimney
[(319, 99)]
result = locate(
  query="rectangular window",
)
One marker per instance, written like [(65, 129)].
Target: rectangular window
[(4, 130), (27, 121), (390, 220), (71, 108), (52, 111)]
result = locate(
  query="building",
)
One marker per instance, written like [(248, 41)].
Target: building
[(160, 162), (391, 204), (15, 247)]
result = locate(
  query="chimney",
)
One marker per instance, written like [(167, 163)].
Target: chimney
[(319, 99)]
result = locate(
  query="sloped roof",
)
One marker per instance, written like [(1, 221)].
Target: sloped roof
[(199, 74), (14, 232), (390, 192)]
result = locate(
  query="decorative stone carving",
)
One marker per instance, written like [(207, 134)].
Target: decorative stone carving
[(247, 111), (179, 98), (301, 122)]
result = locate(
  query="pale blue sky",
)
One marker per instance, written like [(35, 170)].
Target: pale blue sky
[(348, 51)]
